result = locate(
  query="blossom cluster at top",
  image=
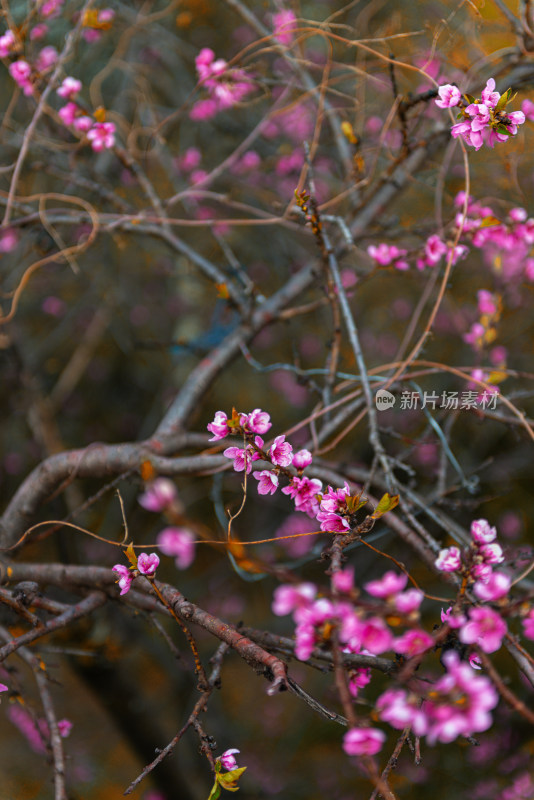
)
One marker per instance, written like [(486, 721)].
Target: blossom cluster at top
[(226, 86), (483, 120), (27, 72)]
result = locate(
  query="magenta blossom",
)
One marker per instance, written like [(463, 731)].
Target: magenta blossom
[(284, 23), (401, 710), (227, 759), (485, 628), (281, 452), (409, 601), (449, 560), (528, 624), (3, 687), (267, 481), (69, 88), (449, 96), (333, 523), (497, 586), (363, 741), (413, 643), (125, 577), (302, 459), (64, 727), (147, 564), (179, 543), (288, 598), (159, 495), (343, 580), (7, 43), (388, 585), (257, 421), (304, 492), (219, 426), (102, 136)]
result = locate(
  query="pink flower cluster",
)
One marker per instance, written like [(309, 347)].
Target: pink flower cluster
[(100, 134), (360, 631), (147, 564), (458, 705), (477, 562), (484, 120), (7, 43), (284, 23), (431, 254), (226, 86)]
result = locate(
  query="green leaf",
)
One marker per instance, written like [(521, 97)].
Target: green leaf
[(469, 98), (503, 102), (355, 502), (503, 129), (387, 503), (215, 791)]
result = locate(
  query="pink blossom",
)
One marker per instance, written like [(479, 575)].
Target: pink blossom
[(343, 580), (388, 585), (102, 136), (376, 636), (281, 452), (527, 107), (497, 586), (3, 687), (203, 110), (64, 727), (409, 601), (333, 523), (21, 71), (147, 564), (267, 481), (359, 678), (159, 495), (453, 621), (258, 421), (528, 624), (51, 8), (7, 43), (384, 254), (242, 459), (67, 113), (82, 123), (491, 553), (449, 560), (302, 459), (227, 759), (38, 32), (284, 23), (486, 302), (489, 96), (46, 59), (189, 160), (460, 702), (8, 240), (125, 577), (485, 628), (34, 733), (179, 543), (363, 741), (481, 531), (304, 492), (401, 710), (287, 598), (434, 249), (219, 426), (413, 642), (69, 88), (449, 96)]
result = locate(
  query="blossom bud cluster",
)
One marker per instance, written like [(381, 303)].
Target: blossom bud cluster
[(100, 134), (226, 86), (484, 120)]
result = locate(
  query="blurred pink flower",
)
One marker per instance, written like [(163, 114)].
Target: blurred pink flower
[(363, 741), (177, 542), (159, 495)]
